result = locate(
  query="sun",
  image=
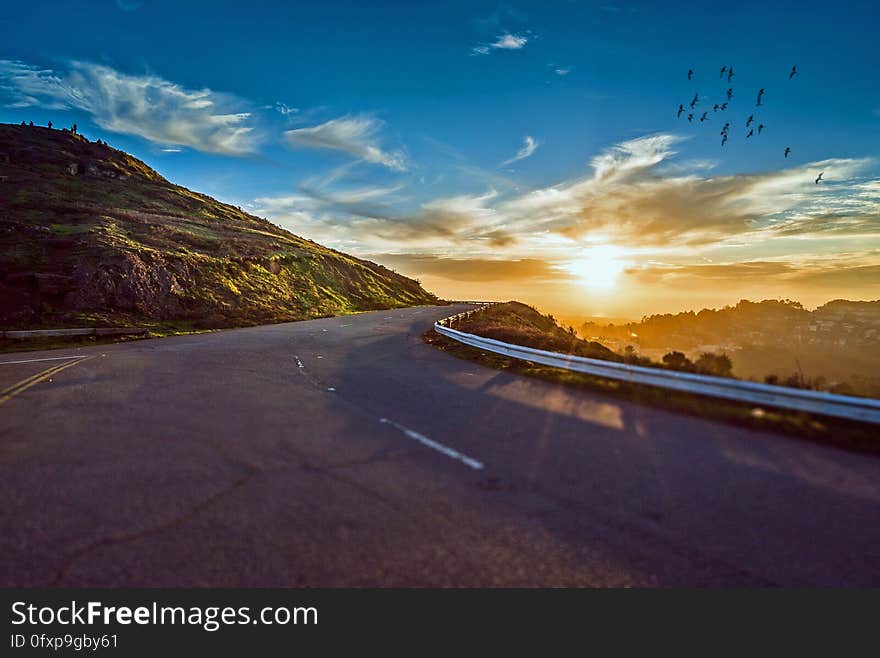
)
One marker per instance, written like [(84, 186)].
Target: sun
[(598, 268)]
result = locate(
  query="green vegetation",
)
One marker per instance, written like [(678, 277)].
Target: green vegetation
[(521, 324), (117, 244)]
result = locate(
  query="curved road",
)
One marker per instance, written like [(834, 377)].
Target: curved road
[(345, 452)]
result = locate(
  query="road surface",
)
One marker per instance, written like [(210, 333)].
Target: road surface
[(346, 452)]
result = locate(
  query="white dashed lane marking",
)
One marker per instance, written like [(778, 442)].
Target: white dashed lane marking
[(434, 445)]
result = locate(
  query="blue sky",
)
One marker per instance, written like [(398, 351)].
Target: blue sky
[(526, 149)]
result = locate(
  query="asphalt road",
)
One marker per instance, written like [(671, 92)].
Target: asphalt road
[(345, 452)]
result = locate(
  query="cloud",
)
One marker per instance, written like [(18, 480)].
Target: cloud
[(510, 42), (653, 273), (371, 217), (445, 217), (147, 106), (858, 269), (628, 199), (355, 135), (474, 269), (529, 147), (561, 71), (504, 41), (283, 108)]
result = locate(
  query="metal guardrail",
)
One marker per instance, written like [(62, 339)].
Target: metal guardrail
[(87, 331), (817, 402)]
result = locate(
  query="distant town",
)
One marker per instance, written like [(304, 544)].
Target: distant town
[(834, 347)]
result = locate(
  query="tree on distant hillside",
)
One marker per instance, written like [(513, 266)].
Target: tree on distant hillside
[(714, 364), (677, 361)]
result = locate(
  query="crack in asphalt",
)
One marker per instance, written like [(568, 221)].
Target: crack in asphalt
[(111, 540)]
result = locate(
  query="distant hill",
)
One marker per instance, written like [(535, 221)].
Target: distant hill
[(834, 346), (91, 235), (768, 321)]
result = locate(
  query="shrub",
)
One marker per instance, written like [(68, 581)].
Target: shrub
[(678, 361), (719, 365)]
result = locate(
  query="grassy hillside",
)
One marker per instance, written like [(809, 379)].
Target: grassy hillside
[(517, 323), (91, 235)]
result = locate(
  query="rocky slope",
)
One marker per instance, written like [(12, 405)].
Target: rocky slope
[(91, 235)]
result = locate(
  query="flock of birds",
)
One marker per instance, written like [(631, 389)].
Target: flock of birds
[(728, 72)]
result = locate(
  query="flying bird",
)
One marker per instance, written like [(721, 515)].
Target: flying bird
[(761, 128), (703, 118), (715, 109), (680, 110), (793, 72), (690, 118), (726, 127), (730, 73), (750, 120), (723, 106), (787, 151), (760, 93), (723, 139), (723, 69), (730, 93), (819, 177), (694, 100), (690, 74), (751, 132)]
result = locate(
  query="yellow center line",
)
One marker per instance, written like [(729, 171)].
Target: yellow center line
[(9, 393)]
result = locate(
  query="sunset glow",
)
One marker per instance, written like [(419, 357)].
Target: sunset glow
[(598, 269)]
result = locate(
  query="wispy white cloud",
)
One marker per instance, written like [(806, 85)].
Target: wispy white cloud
[(355, 135), (562, 71), (529, 147), (505, 41), (370, 218), (144, 105), (510, 41), (283, 108)]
